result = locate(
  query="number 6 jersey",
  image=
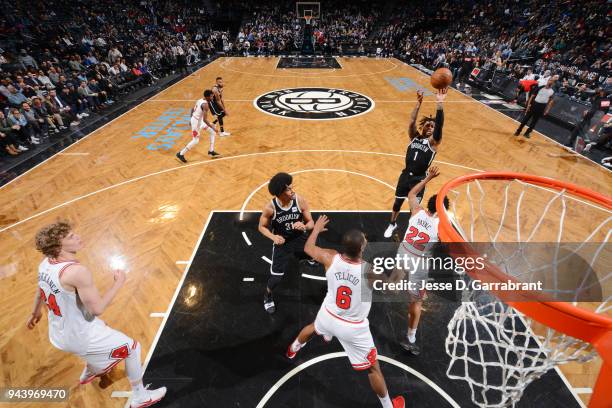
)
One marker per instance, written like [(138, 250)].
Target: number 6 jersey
[(69, 321), (349, 296)]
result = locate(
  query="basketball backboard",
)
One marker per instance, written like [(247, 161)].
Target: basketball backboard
[(308, 9)]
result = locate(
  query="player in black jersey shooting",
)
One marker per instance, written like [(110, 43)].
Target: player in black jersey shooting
[(285, 220), (419, 155)]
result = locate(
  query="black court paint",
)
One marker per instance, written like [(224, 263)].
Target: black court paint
[(220, 349)]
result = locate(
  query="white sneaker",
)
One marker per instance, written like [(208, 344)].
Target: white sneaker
[(149, 398), (35, 141), (389, 230), (224, 134), (75, 123), (84, 114), (22, 148)]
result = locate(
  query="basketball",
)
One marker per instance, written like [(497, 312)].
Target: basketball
[(441, 78)]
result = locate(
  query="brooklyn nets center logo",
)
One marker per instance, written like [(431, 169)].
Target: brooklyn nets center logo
[(314, 103)]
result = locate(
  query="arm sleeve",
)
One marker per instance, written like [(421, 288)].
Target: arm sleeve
[(437, 134)]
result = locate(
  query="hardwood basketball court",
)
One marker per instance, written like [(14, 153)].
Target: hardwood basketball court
[(128, 197)]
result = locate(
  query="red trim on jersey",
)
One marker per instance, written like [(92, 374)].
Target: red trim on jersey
[(64, 268), (339, 318), (349, 261), (361, 367), (134, 345)]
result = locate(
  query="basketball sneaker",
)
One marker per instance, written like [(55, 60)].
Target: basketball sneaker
[(269, 303), (148, 398), (181, 157), (390, 229), (292, 351), (398, 402), (224, 134), (213, 154), (410, 347)]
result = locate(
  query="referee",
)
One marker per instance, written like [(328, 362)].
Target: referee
[(539, 105)]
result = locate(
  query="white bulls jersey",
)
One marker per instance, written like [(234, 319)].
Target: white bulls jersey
[(422, 233), (349, 297), (69, 321), (197, 112)]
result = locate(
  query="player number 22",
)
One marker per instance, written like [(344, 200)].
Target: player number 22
[(420, 243), (51, 303), (343, 297)]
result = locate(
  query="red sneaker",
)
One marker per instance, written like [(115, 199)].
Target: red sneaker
[(290, 354), (398, 402)]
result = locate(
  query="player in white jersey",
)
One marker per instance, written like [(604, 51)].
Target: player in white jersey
[(419, 239), (344, 312), (67, 289), (199, 123)]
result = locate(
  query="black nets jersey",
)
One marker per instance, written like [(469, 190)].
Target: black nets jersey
[(283, 219), (419, 156)]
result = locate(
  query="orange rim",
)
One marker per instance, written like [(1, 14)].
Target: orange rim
[(561, 316)]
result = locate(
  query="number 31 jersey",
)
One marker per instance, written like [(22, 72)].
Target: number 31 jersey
[(349, 296)]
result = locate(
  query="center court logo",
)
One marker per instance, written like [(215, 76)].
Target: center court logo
[(314, 103)]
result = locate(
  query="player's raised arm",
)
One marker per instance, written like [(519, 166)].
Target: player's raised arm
[(436, 138), (321, 255), (413, 200), (81, 279), (412, 130)]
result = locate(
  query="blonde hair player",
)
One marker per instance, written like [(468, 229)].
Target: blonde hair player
[(421, 235), (345, 309), (67, 288), (199, 122)]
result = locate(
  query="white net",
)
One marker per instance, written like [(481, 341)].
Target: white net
[(530, 233)]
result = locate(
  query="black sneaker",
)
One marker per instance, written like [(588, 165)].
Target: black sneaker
[(213, 154), (269, 303), (181, 157), (412, 348), (517, 133), (527, 135)]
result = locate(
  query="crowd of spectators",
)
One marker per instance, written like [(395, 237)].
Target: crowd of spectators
[(62, 61)]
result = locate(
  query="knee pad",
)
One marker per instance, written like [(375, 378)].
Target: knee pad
[(397, 205), (273, 281)]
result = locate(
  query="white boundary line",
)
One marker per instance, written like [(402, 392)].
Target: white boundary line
[(246, 239), (171, 304), (265, 258), (583, 390), (248, 279), (100, 128), (315, 277), (203, 162), (329, 356), (158, 314)]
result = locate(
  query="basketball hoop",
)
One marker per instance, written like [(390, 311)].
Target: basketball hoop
[(496, 341), (308, 19)]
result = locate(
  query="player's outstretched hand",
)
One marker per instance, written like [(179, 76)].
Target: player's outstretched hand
[(433, 173), (278, 240), (322, 221), (420, 96), (441, 95), (34, 318), (119, 276)]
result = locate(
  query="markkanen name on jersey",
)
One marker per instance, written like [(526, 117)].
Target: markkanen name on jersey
[(314, 103)]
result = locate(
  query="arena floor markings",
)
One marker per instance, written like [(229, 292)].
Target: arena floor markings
[(217, 350), (129, 198)]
